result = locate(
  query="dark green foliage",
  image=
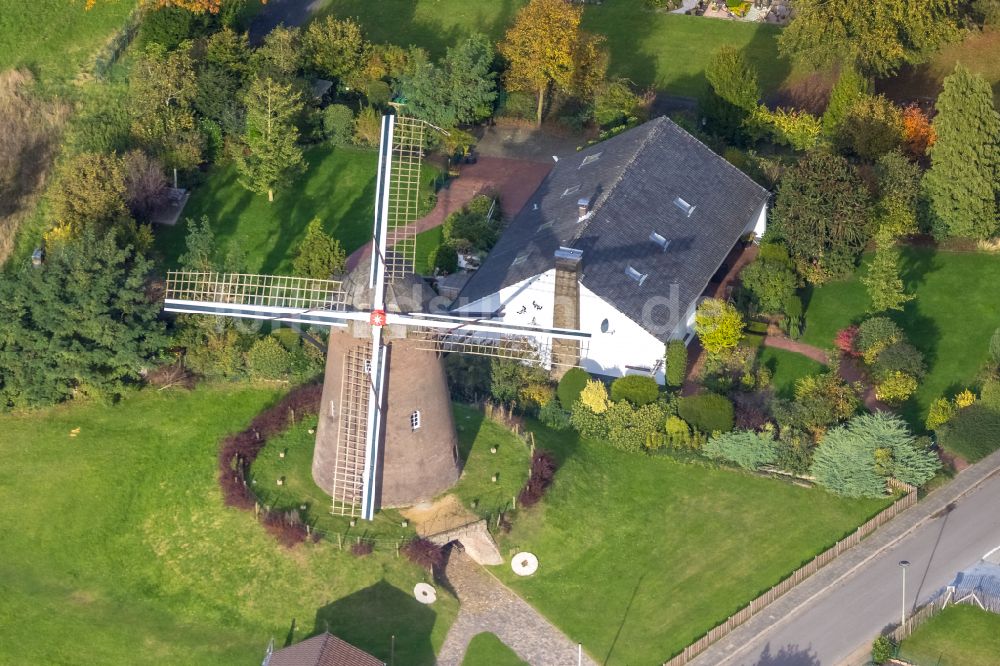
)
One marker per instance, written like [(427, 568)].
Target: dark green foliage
[(268, 359), (987, 11), (509, 378), (615, 103), (734, 93), (444, 258), (461, 89), (554, 416), (677, 360), (320, 255), (636, 389), (973, 432), (82, 324), (820, 401), (793, 321), (962, 183), (900, 356), (850, 87), (472, 229), (708, 412), (855, 459), (468, 376), (168, 27), (632, 428), (794, 452), (772, 283), (570, 386), (821, 215), (875, 334), (883, 649), (746, 448), (200, 243)]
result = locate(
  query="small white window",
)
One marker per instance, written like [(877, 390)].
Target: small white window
[(659, 240), (685, 207), (636, 275), (589, 159), (415, 420), (571, 190), (520, 259)]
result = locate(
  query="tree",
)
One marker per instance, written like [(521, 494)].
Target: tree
[(540, 47), (200, 243), (271, 155), (746, 448), (772, 283), (820, 401), (461, 89), (856, 459), (196, 6), (962, 183), (338, 124), (162, 90), (336, 48), (83, 324), (145, 184), (850, 88), (872, 127), (676, 360), (320, 255), (899, 191), (881, 279), (875, 334), (735, 92), (280, 56), (821, 214), (918, 133), (877, 36), (719, 325), (89, 191), (221, 76)]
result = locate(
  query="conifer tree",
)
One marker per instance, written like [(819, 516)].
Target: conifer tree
[(320, 255), (271, 155), (961, 184)]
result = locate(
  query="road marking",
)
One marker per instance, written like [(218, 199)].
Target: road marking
[(987, 555)]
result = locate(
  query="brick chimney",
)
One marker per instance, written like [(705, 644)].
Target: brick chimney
[(566, 311)]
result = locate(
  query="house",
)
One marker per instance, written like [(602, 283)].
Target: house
[(322, 650), (621, 239)]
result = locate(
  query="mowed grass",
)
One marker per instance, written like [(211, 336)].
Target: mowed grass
[(957, 636), (55, 38), (653, 49), (951, 320), (486, 649), (639, 556), (117, 549), (787, 368)]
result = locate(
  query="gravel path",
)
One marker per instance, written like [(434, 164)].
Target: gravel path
[(489, 606)]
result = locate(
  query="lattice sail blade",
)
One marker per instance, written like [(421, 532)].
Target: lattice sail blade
[(275, 297), (404, 196), (514, 347), (349, 460)]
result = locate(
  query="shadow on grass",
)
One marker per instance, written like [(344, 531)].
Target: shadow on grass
[(383, 621)]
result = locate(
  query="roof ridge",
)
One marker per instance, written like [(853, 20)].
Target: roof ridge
[(657, 125)]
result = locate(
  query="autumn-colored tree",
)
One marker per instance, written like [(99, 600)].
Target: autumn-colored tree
[(872, 127), (271, 154), (541, 47), (196, 6), (918, 133), (89, 192), (336, 48)]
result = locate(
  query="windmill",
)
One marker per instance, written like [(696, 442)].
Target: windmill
[(386, 435)]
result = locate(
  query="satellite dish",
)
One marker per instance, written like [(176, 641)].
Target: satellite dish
[(424, 593), (524, 564)]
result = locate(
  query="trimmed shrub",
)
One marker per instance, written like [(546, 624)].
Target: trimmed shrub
[(677, 360), (444, 259), (973, 432), (553, 416), (630, 428), (636, 389), (746, 448), (876, 334), (268, 359), (423, 553), (338, 124), (571, 386), (707, 412), (899, 357)]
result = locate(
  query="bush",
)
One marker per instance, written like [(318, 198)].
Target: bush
[(571, 386), (423, 553), (268, 359), (636, 389), (167, 26), (543, 471), (883, 649), (899, 357), (707, 412), (746, 448), (678, 433), (587, 423), (939, 413), (973, 432), (772, 283), (378, 93), (895, 387), (444, 259), (846, 340), (632, 429), (854, 460), (367, 127), (677, 360), (338, 124), (362, 548), (553, 416), (990, 394), (874, 335)]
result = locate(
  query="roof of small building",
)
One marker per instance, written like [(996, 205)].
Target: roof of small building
[(662, 209), (323, 650)]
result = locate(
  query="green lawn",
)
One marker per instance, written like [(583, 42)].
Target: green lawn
[(951, 320), (639, 556), (55, 38), (487, 650), (787, 368), (957, 636), (427, 241), (665, 51), (116, 547)]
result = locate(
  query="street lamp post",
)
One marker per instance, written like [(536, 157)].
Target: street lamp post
[(902, 615)]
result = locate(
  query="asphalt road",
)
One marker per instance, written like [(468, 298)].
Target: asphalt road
[(844, 620)]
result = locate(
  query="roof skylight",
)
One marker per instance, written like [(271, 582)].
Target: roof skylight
[(685, 207), (570, 190), (589, 159), (659, 240), (636, 275)]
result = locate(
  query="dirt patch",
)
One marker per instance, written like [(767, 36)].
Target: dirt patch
[(444, 514)]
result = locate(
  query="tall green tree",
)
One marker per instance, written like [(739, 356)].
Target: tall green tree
[(962, 184), (83, 324), (462, 89), (851, 86), (882, 280), (734, 95), (336, 48), (89, 191), (821, 214), (877, 36), (320, 255), (280, 56), (271, 155)]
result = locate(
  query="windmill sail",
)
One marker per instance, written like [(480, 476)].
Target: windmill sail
[(404, 196)]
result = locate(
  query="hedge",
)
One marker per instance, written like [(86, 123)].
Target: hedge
[(570, 386), (636, 389), (707, 412), (677, 360)]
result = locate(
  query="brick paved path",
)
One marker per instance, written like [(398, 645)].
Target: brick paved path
[(489, 606)]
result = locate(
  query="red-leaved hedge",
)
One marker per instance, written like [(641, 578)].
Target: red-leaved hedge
[(543, 470)]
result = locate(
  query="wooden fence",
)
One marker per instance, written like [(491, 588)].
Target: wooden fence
[(905, 502)]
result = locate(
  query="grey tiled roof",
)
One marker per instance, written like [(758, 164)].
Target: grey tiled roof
[(631, 181)]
